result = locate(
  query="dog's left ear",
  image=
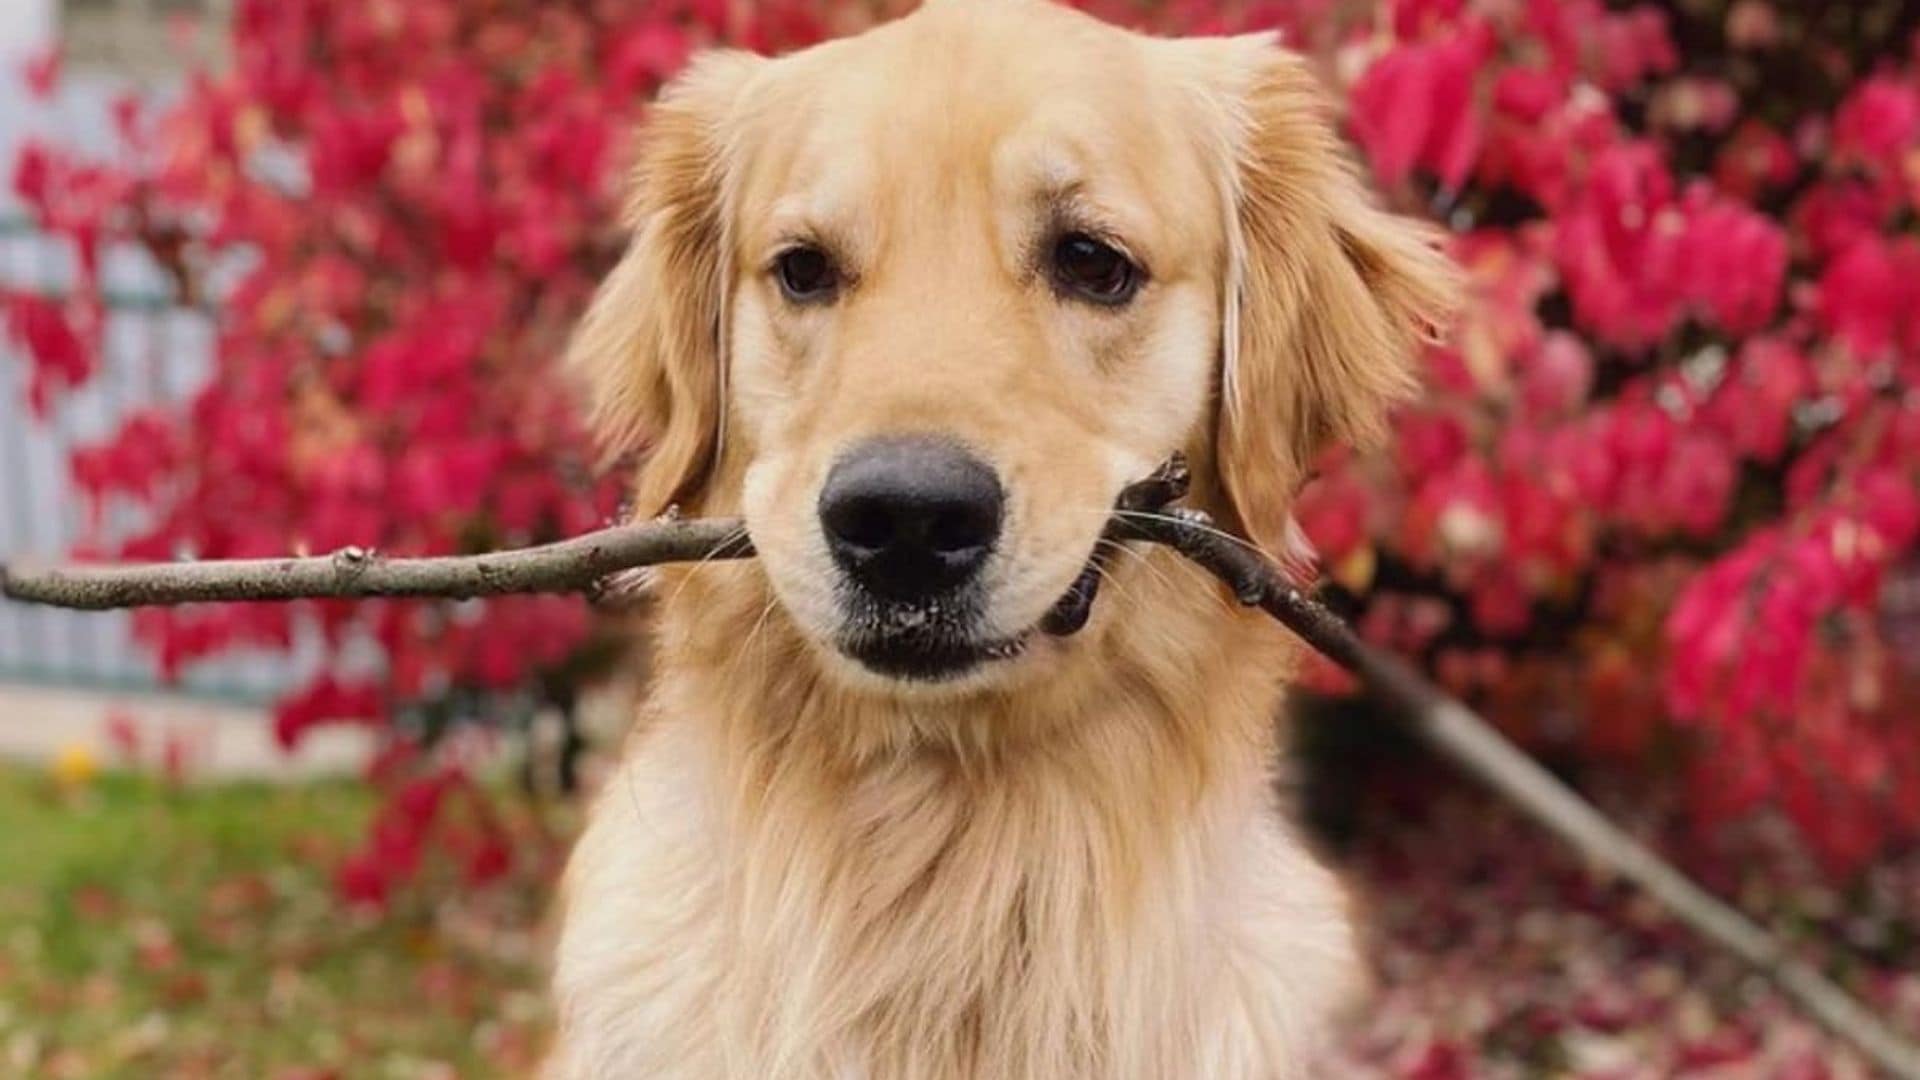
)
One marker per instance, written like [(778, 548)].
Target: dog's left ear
[(1327, 298), (649, 349)]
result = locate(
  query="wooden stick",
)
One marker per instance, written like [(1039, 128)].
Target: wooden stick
[(582, 564)]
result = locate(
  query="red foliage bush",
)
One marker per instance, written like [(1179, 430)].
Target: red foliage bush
[(1666, 466)]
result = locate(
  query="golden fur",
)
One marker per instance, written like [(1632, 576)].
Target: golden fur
[(1069, 864)]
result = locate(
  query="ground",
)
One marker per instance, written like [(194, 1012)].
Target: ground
[(154, 930)]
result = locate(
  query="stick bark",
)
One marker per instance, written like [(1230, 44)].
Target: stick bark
[(594, 564), (582, 564)]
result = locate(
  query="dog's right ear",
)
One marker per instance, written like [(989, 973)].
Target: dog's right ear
[(650, 347)]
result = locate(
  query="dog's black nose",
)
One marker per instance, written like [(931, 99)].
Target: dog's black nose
[(911, 517)]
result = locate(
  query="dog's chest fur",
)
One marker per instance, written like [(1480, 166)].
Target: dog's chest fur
[(757, 897)]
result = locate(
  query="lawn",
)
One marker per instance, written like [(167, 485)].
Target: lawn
[(154, 930), (150, 930)]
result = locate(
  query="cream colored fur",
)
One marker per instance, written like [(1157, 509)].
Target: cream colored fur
[(1070, 866)]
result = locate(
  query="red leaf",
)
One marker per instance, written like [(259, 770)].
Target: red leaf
[(41, 71)]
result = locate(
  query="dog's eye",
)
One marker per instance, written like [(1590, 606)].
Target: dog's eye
[(1093, 270), (807, 275)]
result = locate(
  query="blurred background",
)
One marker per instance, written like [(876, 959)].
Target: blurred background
[(289, 275)]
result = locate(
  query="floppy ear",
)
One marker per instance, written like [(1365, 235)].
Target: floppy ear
[(1328, 296), (650, 347)]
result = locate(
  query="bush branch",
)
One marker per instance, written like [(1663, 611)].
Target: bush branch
[(595, 562)]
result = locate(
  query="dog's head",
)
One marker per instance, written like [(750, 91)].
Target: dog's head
[(919, 303)]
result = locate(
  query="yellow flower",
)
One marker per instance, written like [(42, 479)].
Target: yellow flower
[(76, 765)]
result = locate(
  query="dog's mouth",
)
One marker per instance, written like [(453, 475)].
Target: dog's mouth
[(924, 646)]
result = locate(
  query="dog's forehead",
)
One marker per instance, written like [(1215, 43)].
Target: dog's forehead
[(987, 48), (1015, 94)]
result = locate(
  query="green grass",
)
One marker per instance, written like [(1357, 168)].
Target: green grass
[(149, 930)]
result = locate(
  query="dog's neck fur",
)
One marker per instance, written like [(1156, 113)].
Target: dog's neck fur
[(1047, 883)]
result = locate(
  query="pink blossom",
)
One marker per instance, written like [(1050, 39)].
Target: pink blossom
[(1416, 107), (1878, 122)]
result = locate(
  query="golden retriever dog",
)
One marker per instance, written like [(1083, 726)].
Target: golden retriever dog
[(902, 805)]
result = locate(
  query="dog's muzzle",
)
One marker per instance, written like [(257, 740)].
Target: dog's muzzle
[(910, 522)]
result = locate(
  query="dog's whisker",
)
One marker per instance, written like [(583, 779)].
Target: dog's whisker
[(1143, 557), (1202, 584), (1110, 547), (1160, 576), (1151, 515), (753, 635), (733, 536), (1126, 592)]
